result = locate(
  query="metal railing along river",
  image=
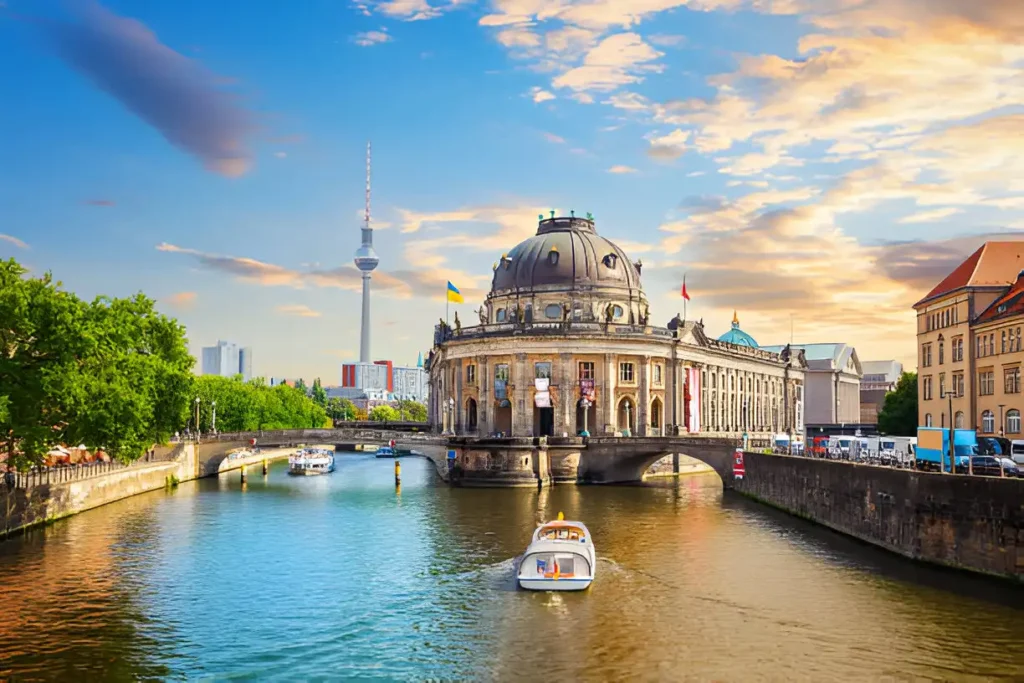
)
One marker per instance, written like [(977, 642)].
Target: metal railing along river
[(40, 475)]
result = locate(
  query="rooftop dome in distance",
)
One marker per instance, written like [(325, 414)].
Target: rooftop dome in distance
[(737, 336), (566, 254)]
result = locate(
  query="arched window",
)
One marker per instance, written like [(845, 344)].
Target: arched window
[(928, 420), (617, 312), (610, 260), (988, 422), (553, 257), (1013, 422), (553, 311), (958, 421)]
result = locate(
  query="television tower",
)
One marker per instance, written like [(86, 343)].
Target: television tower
[(366, 260)]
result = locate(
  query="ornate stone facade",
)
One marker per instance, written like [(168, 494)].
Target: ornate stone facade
[(567, 320)]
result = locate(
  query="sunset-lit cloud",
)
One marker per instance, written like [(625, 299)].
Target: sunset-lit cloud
[(174, 94), (621, 169), (182, 300), (299, 311)]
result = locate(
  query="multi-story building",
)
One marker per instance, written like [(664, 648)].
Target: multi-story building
[(382, 377), (831, 383), (880, 377), (411, 384), (967, 344), (565, 345), (227, 359)]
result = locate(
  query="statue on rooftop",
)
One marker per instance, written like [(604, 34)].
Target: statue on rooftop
[(483, 315), (458, 324)]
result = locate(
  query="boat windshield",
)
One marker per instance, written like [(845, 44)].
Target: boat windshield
[(561, 532)]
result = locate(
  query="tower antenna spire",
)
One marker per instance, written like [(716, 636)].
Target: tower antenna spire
[(366, 216)]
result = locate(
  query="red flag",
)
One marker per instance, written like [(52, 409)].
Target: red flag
[(685, 295)]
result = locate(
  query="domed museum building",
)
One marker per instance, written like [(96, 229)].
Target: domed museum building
[(565, 346)]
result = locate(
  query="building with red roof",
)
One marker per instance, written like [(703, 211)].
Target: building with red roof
[(969, 344)]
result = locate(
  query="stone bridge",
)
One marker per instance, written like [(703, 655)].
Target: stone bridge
[(517, 461)]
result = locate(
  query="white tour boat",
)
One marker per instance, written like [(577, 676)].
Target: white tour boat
[(310, 461), (561, 557)]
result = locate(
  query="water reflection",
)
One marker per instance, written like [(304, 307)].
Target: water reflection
[(348, 575)]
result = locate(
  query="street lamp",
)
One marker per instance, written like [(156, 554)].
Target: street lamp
[(197, 418), (213, 425), (451, 414), (585, 404), (626, 431)]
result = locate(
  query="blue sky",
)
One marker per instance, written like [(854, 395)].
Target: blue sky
[(822, 162)]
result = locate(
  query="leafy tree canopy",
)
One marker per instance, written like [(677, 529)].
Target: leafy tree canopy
[(898, 416), (251, 406), (319, 394), (341, 409), (384, 414), (112, 374), (412, 411)]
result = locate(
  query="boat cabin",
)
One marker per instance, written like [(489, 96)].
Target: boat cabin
[(562, 531)]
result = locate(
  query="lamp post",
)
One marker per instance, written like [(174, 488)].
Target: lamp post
[(952, 437), (585, 404), (213, 422), (197, 418), (626, 431), (451, 414)]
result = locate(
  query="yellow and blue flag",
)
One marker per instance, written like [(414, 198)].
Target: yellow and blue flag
[(454, 294)]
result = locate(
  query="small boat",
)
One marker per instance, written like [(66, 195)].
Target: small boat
[(386, 452), (561, 557), (311, 461)]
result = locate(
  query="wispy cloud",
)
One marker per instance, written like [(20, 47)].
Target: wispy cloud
[(181, 300), (299, 310), (368, 38), (931, 216), (410, 10), (540, 95), (622, 169), (169, 91), (556, 139), (13, 240), (100, 202)]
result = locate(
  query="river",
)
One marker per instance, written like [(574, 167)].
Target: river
[(341, 577)]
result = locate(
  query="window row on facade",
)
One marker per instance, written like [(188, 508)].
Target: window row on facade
[(586, 370), (944, 318), (956, 352), (1009, 341), (1011, 423)]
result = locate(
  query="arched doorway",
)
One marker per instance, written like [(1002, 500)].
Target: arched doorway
[(656, 416), (471, 418), (503, 417), (627, 416), (544, 420)]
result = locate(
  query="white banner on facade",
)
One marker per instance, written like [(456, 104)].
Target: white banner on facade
[(541, 384), (693, 381), (543, 400)]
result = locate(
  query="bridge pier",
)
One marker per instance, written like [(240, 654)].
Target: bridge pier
[(507, 462)]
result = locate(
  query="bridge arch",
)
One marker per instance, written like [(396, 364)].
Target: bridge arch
[(611, 460)]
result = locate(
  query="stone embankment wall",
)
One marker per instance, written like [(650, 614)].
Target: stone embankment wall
[(972, 523)]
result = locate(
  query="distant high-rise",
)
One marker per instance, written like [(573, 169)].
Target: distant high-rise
[(366, 260), (227, 359)]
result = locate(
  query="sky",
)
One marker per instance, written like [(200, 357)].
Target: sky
[(815, 165)]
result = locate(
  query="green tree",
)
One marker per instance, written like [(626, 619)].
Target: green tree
[(300, 384), (111, 374), (319, 394), (251, 406), (384, 414), (898, 416), (341, 409), (412, 411)]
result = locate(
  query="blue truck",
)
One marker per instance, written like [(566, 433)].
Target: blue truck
[(932, 451)]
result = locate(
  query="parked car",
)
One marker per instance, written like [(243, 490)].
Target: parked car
[(1010, 468), (985, 466)]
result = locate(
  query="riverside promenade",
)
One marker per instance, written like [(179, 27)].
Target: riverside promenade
[(41, 496)]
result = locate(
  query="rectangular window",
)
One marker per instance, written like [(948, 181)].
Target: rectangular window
[(958, 384), (470, 374), (1018, 339), (986, 383), (542, 370), (926, 389), (942, 385), (942, 354), (657, 374), (1011, 381), (587, 370), (926, 355), (501, 372), (1002, 345), (626, 372)]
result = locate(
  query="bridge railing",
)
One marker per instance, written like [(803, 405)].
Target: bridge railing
[(40, 475)]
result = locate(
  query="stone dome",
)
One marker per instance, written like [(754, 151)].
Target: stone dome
[(737, 336), (565, 254)]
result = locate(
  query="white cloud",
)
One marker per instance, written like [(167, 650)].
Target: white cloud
[(540, 95), (299, 311), (617, 60), (368, 38), (931, 216), (622, 169)]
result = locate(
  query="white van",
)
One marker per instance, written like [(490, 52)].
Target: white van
[(1017, 451)]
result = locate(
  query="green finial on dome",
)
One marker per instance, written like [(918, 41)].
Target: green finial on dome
[(540, 216), (590, 216), (552, 213)]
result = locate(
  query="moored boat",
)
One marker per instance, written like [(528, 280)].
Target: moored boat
[(386, 452), (560, 557), (311, 461)]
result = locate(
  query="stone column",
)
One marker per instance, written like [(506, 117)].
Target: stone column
[(522, 411), (643, 408), (567, 397), (460, 409), (608, 392), (484, 407)]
